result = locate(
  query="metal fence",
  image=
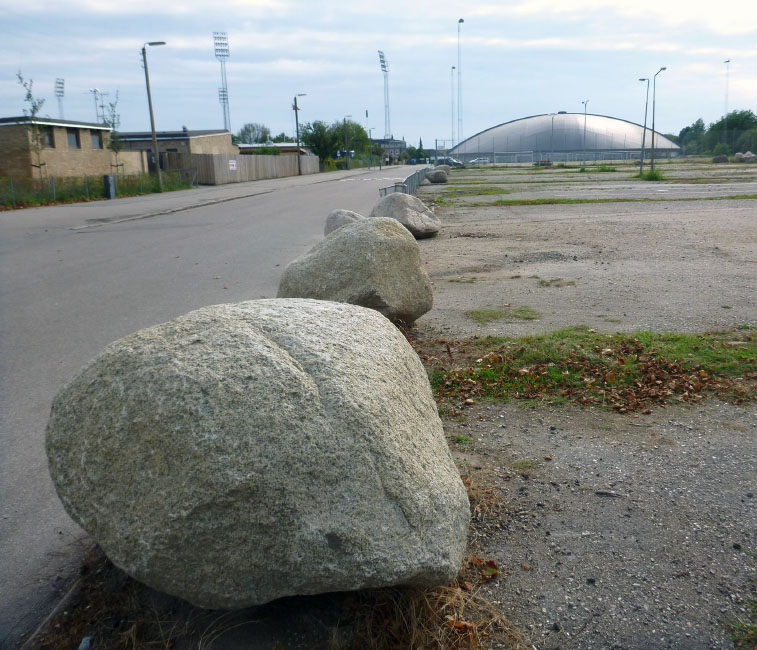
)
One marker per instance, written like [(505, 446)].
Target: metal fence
[(407, 186), (25, 191)]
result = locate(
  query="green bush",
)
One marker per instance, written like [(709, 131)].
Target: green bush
[(328, 165)]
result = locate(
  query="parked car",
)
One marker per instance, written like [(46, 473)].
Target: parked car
[(479, 161), (452, 162)]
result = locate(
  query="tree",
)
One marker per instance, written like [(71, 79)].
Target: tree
[(113, 120), (252, 133), (282, 137), (320, 138), (35, 139), (421, 153), (747, 141), (351, 135), (691, 138), (729, 128)]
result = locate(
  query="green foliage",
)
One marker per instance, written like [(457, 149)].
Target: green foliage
[(328, 165), (721, 149), (321, 139), (652, 175), (113, 120), (281, 137), (34, 107), (254, 133), (736, 131), (264, 151), (747, 141)]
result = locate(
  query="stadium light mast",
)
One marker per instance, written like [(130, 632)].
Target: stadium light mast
[(59, 85), (459, 85), (385, 70), (221, 47)]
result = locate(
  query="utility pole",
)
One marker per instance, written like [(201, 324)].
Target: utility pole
[(152, 117), (297, 128)]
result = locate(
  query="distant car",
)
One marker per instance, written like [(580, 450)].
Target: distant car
[(452, 162), (479, 161)]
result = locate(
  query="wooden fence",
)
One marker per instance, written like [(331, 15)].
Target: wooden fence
[(219, 169)]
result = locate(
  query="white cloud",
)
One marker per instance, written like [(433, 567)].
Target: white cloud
[(729, 17)]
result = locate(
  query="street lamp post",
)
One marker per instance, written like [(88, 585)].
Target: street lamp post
[(644, 134), (297, 129), (552, 138), (584, 103), (346, 148), (152, 117), (459, 85), (654, 97), (725, 122), (452, 105)]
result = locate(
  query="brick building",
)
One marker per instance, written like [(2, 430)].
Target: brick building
[(184, 141), (46, 147)]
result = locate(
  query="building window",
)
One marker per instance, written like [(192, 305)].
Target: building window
[(46, 138), (73, 138), (97, 139)]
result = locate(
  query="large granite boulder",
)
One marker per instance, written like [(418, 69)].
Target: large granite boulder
[(245, 452), (436, 176), (445, 168), (374, 263), (338, 218), (410, 212), (722, 158)]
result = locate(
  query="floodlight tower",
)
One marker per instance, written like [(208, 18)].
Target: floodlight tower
[(221, 45), (59, 84), (385, 70)]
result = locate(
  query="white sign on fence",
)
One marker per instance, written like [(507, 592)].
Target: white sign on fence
[(232, 165)]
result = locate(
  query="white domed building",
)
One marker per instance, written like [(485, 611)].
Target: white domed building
[(564, 137)]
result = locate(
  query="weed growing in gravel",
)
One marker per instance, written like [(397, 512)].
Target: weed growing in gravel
[(651, 175), (524, 465), (556, 282), (486, 316), (625, 372), (744, 633)]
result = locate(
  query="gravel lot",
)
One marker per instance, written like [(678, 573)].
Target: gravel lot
[(623, 532)]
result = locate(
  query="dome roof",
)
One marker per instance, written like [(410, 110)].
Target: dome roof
[(565, 135)]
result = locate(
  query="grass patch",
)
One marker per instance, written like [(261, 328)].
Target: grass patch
[(483, 191), (461, 439), (566, 201), (604, 168), (651, 175), (625, 372), (744, 633), (524, 465), (524, 313), (485, 316)]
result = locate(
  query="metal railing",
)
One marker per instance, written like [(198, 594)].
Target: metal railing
[(407, 186)]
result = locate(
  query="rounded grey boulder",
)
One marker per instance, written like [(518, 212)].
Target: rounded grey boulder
[(410, 212), (338, 218), (245, 452), (444, 168), (436, 176), (374, 263)]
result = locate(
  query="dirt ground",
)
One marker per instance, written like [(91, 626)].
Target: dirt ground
[(610, 531)]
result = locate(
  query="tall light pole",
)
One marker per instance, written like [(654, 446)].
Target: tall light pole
[(584, 103), (459, 85), (452, 103), (296, 109), (221, 48), (152, 117), (552, 138), (644, 134), (59, 90), (654, 96), (725, 123)]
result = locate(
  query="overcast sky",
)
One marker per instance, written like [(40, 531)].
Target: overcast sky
[(519, 58)]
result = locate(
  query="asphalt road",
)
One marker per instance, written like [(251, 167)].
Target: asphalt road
[(74, 278)]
